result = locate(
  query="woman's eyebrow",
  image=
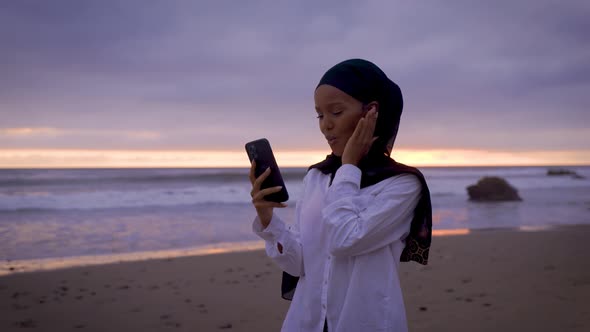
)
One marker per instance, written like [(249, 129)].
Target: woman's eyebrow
[(335, 103), (330, 105)]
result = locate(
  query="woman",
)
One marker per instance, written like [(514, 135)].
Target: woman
[(360, 212)]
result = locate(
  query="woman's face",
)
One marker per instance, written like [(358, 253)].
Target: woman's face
[(338, 114)]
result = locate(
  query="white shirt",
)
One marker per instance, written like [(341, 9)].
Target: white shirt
[(345, 247)]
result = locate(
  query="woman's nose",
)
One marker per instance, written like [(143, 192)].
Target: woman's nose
[(327, 124)]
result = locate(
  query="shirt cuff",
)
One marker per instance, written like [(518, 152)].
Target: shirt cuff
[(272, 232)]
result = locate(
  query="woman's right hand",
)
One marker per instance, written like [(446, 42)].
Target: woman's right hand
[(263, 207)]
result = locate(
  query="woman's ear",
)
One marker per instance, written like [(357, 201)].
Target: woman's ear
[(370, 106), (375, 105)]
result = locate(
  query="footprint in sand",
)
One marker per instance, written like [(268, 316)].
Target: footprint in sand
[(27, 323), (202, 308), (62, 291), (173, 324), (20, 307)]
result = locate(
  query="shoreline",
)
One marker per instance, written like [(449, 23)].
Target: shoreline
[(10, 267)]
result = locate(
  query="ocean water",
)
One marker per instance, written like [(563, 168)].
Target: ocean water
[(47, 213)]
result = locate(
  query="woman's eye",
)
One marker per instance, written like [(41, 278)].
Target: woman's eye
[(337, 113), (319, 116)]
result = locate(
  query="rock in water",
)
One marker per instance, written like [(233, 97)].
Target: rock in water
[(563, 171), (492, 189), (559, 171)]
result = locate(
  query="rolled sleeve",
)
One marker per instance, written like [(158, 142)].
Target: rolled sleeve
[(290, 259)]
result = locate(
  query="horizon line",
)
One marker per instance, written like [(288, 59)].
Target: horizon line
[(283, 167), (80, 158)]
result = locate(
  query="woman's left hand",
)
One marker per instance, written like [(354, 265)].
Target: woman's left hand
[(362, 139)]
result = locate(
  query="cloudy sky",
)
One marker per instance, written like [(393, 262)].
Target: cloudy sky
[(179, 78)]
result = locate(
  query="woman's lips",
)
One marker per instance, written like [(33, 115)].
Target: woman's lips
[(331, 140)]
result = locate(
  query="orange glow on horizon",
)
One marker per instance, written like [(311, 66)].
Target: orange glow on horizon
[(450, 232), (295, 158)]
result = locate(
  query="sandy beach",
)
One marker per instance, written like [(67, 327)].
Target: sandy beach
[(496, 280)]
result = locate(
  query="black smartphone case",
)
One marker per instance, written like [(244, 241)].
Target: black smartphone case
[(260, 151)]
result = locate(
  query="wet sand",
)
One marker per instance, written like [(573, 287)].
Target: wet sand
[(497, 280)]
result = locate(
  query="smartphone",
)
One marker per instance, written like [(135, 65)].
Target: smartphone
[(260, 151)]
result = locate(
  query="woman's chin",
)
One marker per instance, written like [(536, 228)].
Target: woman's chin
[(337, 153)]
